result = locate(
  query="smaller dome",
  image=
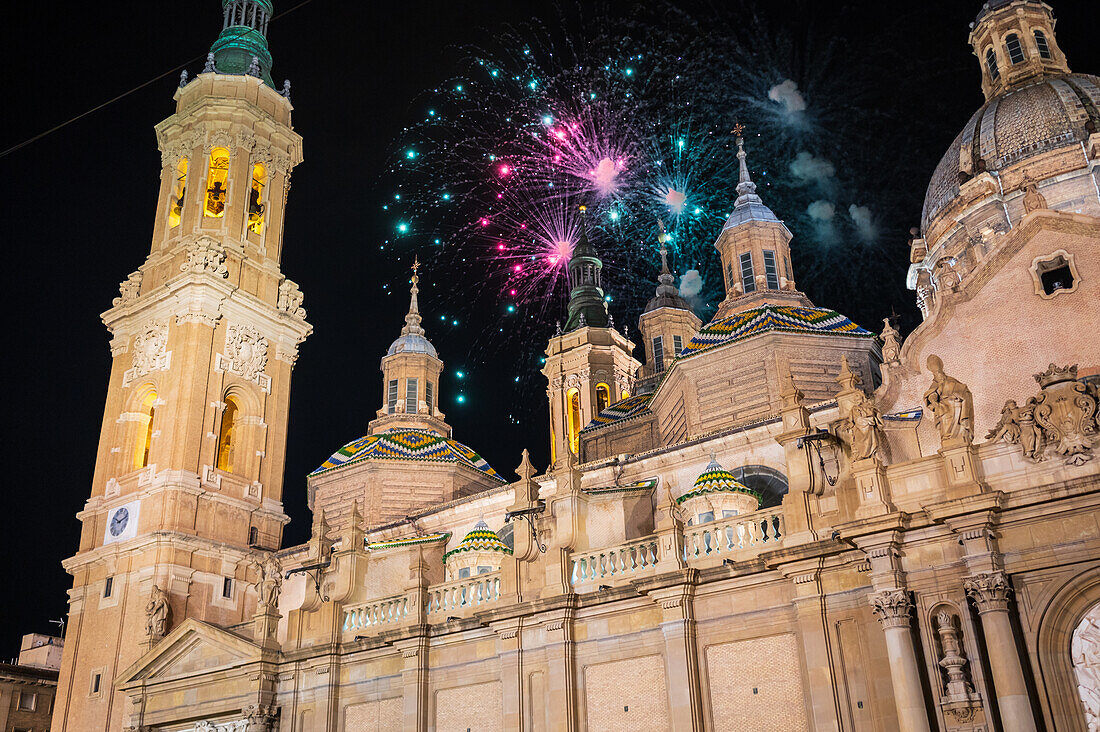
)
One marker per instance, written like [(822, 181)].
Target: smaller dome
[(480, 539), (412, 343), (716, 479)]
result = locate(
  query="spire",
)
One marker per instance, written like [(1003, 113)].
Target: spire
[(668, 295), (412, 320), (586, 297), (241, 47), (746, 189)]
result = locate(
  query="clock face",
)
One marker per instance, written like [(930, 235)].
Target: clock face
[(119, 519)]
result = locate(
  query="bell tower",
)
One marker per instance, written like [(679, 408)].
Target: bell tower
[(589, 365), (189, 470), (1014, 41)]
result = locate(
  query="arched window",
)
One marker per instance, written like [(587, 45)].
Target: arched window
[(768, 482), (256, 206), (179, 190), (603, 397), (1042, 45), (217, 183), (573, 400), (145, 430), (1015, 50), (226, 435), (991, 64)]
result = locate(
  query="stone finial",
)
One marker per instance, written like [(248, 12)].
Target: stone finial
[(848, 381), (557, 328), (254, 67), (413, 319), (527, 490), (269, 583), (286, 89), (788, 392), (582, 322), (209, 68), (891, 342), (183, 78), (353, 532)]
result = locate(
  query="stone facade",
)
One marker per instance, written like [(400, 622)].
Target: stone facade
[(921, 549)]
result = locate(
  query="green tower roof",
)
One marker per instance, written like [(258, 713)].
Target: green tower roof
[(241, 47)]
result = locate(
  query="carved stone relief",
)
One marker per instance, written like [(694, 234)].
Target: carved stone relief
[(892, 608), (1085, 650), (291, 298), (245, 354), (959, 700), (128, 289), (150, 352), (204, 255)]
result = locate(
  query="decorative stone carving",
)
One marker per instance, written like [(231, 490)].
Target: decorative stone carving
[(952, 405), (204, 255), (218, 138), (1085, 652), (128, 289), (291, 298), (891, 342), (156, 614), (1062, 417), (959, 700), (1066, 411), (260, 717), (865, 428), (892, 608), (270, 583), (246, 139), (1033, 200), (150, 352), (989, 590), (245, 353)]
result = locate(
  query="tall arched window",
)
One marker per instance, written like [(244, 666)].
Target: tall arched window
[(217, 183), (603, 397), (179, 190), (1042, 45), (573, 400), (145, 430), (1015, 50), (226, 434), (256, 205), (991, 64)]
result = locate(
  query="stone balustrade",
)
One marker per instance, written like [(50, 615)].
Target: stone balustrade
[(736, 537), (387, 611), (459, 596), (626, 560)]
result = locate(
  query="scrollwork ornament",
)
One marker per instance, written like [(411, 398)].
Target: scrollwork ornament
[(246, 139), (150, 351), (218, 138), (892, 608), (291, 298), (204, 255), (989, 590), (129, 288), (1066, 410), (246, 351)]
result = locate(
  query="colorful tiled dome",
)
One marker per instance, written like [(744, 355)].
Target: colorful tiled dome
[(406, 444), (620, 410), (786, 318), (480, 539), (716, 479)]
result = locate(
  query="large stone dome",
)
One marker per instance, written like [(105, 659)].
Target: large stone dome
[(1052, 113)]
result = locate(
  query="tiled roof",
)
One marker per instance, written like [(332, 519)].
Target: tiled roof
[(715, 479), (787, 318), (639, 485), (409, 541), (480, 539), (406, 444), (620, 410)]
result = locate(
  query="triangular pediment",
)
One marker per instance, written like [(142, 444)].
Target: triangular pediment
[(194, 647)]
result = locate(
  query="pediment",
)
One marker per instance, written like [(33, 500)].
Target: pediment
[(194, 647)]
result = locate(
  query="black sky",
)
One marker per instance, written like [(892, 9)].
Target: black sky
[(78, 207)]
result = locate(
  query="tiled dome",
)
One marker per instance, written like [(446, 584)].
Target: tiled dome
[(1012, 127), (402, 444), (716, 479), (480, 539)]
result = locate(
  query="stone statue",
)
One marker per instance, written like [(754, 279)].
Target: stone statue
[(891, 343), (951, 403), (1033, 200), (270, 583), (1008, 429), (866, 426), (156, 614), (1031, 434)]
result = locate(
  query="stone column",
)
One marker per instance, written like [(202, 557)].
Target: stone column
[(414, 679), (509, 652), (681, 653), (990, 592), (892, 608), (561, 662)]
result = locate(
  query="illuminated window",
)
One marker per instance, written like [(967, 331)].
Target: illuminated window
[(1041, 42), (573, 399), (677, 345), (658, 355), (179, 190), (256, 206), (603, 397), (216, 183), (553, 446), (991, 64), (145, 431), (748, 277), (412, 391), (226, 436), (771, 272), (391, 396), (1015, 50)]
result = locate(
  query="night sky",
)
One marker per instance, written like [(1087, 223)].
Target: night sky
[(78, 209)]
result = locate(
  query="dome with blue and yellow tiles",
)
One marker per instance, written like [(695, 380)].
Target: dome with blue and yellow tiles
[(408, 444), (716, 479), (783, 318), (480, 539)]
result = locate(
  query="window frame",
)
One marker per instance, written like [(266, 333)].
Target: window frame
[(658, 354), (1015, 47), (677, 345), (227, 588), (748, 273), (771, 275), (412, 391), (1042, 44), (108, 586), (991, 64), (392, 393)]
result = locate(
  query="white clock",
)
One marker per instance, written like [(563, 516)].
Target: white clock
[(122, 522)]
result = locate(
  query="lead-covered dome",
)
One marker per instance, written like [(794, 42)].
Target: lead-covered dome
[(1052, 113)]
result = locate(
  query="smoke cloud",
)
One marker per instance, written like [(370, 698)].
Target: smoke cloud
[(788, 95), (821, 212), (691, 284), (807, 169), (861, 217)]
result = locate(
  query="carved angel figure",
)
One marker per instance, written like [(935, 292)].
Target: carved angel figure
[(1008, 429), (1031, 434), (156, 614), (866, 429), (891, 343), (951, 403), (271, 582)]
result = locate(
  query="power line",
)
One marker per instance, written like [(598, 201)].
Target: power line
[(125, 94)]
